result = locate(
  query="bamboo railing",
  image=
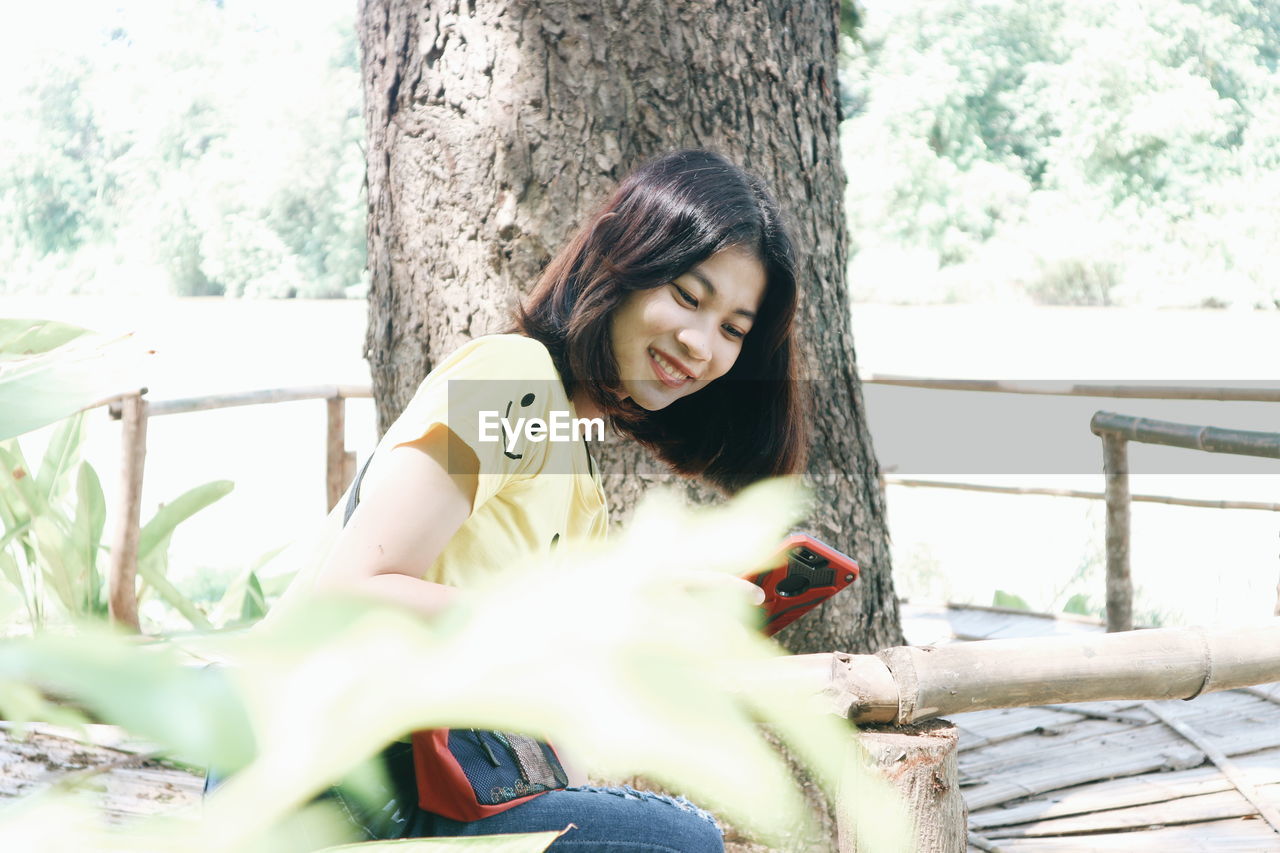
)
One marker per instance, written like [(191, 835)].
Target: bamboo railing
[(1150, 391), (916, 482), (134, 410), (1115, 461), (1116, 431)]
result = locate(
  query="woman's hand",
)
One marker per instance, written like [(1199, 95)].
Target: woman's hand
[(699, 580)]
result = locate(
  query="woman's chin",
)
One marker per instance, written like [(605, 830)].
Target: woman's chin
[(651, 399)]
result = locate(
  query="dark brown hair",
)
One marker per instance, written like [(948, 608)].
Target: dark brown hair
[(666, 217)]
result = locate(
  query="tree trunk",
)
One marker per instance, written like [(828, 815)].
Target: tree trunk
[(920, 764), (494, 128)]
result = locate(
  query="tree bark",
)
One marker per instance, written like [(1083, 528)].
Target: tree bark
[(495, 127), (920, 763)]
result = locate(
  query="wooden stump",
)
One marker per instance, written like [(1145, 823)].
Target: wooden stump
[(919, 762)]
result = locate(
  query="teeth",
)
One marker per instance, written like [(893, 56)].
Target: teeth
[(670, 368)]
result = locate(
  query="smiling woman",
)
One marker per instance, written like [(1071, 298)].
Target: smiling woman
[(686, 275), (669, 315)]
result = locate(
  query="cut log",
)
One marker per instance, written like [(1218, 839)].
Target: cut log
[(919, 761)]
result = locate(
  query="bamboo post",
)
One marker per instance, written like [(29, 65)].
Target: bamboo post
[(1115, 464), (919, 762), (1115, 430), (122, 585), (339, 464)]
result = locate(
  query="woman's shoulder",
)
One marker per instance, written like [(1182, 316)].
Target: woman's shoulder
[(504, 357)]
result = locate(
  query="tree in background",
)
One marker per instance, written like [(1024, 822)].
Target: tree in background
[(494, 127), (1089, 152), (141, 152)]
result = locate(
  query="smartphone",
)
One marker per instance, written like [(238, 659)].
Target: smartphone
[(807, 573)]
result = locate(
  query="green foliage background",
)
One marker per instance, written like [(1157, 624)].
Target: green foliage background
[(191, 147), (1086, 152), (1090, 152)]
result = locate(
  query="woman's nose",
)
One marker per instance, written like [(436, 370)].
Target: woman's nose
[(694, 341)]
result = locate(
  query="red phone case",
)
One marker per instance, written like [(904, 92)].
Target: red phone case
[(808, 573)]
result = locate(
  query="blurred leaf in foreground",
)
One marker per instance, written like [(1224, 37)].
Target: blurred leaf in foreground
[(620, 653), (65, 823), (51, 370)]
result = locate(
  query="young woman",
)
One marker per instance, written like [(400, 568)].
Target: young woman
[(670, 316)]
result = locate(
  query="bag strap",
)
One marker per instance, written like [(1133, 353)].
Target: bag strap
[(353, 496)]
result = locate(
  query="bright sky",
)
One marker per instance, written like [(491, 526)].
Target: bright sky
[(31, 31)]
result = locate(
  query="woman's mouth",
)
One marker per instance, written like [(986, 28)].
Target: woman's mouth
[(666, 370)]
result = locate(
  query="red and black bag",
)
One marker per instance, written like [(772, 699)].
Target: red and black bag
[(470, 774)]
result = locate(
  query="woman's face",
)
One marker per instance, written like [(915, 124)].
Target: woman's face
[(669, 341)]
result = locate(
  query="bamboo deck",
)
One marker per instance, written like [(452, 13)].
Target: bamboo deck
[(1101, 776), (1110, 776)]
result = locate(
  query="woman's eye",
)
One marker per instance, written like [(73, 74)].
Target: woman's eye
[(734, 332), (685, 296)]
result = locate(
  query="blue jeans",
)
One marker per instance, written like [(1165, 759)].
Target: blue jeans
[(607, 820)]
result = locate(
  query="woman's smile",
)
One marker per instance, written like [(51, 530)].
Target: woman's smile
[(668, 370)]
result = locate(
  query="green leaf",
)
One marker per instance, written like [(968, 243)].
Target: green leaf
[(91, 518), (255, 603), (153, 569), (21, 703), (21, 337), (39, 387), (326, 683), (168, 517), (57, 559), (1009, 600), (60, 456), (18, 489), (27, 588), (12, 572), (14, 533), (242, 602), (197, 712), (1078, 604), (12, 515), (9, 568)]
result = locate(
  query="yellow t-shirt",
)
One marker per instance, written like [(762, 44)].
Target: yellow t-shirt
[(530, 494)]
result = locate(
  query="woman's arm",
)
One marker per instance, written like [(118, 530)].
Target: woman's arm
[(407, 514), (403, 521)]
